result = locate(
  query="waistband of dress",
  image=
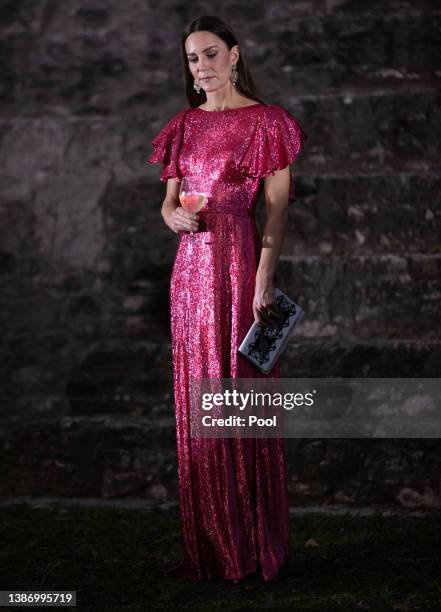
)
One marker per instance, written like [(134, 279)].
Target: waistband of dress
[(238, 213)]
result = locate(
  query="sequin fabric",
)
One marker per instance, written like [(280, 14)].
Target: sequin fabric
[(233, 493)]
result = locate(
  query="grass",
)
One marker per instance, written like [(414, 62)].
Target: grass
[(114, 557)]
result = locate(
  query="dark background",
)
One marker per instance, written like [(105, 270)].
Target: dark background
[(85, 258)]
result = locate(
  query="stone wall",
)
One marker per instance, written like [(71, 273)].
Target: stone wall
[(85, 258)]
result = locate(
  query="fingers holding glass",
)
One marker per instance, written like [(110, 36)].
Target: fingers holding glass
[(193, 195), (185, 221)]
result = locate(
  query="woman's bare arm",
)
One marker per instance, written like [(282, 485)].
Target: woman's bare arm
[(276, 189)]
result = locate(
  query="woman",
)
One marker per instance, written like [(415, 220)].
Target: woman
[(233, 492)]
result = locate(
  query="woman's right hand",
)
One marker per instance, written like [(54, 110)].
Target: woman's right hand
[(179, 220)]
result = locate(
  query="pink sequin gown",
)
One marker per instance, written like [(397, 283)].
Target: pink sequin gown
[(233, 492)]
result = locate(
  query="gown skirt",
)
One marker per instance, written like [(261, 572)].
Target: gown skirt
[(233, 492)]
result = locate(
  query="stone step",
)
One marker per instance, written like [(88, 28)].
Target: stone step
[(111, 61), (318, 52), (308, 354), (401, 473), (148, 506), (120, 375), (111, 458), (371, 131), (97, 456), (372, 213), (379, 82), (373, 358), (365, 297)]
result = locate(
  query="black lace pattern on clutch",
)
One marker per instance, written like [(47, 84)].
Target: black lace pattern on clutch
[(265, 339)]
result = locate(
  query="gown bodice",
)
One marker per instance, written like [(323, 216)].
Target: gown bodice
[(234, 148)]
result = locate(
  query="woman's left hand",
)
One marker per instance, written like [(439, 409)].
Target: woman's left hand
[(265, 310)]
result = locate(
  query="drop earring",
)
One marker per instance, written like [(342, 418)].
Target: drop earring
[(196, 86), (234, 75)]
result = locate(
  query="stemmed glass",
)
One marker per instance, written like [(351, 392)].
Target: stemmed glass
[(193, 194)]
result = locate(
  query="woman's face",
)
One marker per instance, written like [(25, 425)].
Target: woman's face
[(210, 60)]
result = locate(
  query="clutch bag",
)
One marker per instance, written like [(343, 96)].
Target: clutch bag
[(262, 344)]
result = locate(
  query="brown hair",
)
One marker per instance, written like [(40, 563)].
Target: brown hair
[(245, 83)]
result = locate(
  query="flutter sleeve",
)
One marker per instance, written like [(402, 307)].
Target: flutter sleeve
[(276, 142), (167, 145)]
